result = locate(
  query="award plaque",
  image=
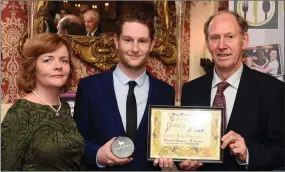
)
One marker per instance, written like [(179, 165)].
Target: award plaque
[(123, 147), (181, 133)]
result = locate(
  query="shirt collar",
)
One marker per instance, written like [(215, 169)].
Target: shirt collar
[(92, 33), (232, 80), (124, 79)]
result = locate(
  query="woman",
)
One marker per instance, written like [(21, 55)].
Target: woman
[(38, 132), (272, 67)]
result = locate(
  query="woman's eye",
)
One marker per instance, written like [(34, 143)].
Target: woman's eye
[(65, 61), (47, 60)]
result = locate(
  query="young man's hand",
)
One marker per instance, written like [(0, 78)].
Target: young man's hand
[(107, 158)]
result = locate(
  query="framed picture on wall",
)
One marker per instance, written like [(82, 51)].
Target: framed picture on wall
[(258, 14), (266, 59)]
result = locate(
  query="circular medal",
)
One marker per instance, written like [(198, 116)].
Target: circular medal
[(123, 147)]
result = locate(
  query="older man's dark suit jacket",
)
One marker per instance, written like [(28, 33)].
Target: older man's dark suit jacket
[(257, 115), (98, 31), (98, 118)]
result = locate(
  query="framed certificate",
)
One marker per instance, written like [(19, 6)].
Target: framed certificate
[(182, 133)]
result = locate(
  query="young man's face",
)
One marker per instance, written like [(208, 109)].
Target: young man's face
[(226, 42), (134, 45)]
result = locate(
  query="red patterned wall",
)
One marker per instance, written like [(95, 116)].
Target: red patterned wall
[(14, 18)]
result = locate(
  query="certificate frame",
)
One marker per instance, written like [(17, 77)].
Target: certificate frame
[(181, 137)]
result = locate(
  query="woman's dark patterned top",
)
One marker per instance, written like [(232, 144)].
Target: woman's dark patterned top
[(34, 138)]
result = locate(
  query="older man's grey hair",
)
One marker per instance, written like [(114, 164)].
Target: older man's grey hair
[(95, 15)]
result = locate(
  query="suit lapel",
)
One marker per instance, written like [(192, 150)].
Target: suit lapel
[(113, 105), (151, 92), (205, 95), (243, 101)]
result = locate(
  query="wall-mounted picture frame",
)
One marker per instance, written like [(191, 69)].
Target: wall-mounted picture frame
[(258, 14), (267, 59)]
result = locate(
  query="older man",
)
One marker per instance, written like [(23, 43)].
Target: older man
[(70, 25), (91, 20), (253, 102)]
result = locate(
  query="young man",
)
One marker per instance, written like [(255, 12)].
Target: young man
[(253, 101), (102, 101)]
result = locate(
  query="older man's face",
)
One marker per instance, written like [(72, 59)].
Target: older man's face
[(226, 42), (90, 22)]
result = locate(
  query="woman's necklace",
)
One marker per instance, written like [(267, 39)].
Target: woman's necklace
[(56, 111)]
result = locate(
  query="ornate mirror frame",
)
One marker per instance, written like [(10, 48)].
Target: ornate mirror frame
[(100, 51)]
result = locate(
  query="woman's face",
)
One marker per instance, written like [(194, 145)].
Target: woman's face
[(273, 54), (52, 69)]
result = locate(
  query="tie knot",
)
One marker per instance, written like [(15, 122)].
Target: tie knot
[(222, 86), (89, 34), (132, 85)]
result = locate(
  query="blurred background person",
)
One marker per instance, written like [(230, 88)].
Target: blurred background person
[(71, 25), (260, 59), (248, 60), (38, 132), (49, 19), (91, 21), (63, 12), (82, 10)]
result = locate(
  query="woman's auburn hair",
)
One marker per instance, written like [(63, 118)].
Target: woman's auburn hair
[(38, 45)]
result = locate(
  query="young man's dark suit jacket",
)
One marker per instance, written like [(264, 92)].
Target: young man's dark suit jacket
[(98, 118), (257, 115)]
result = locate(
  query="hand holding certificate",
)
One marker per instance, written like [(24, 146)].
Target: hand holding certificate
[(185, 133)]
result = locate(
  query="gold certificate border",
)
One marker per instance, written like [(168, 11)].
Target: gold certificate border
[(210, 153)]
